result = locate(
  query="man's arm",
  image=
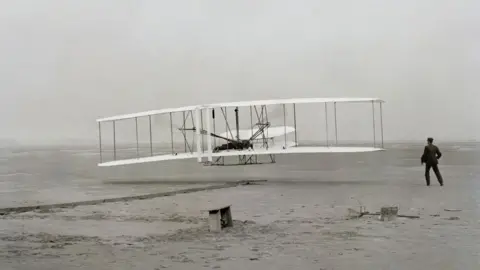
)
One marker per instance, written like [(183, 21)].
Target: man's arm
[(439, 154), (423, 158)]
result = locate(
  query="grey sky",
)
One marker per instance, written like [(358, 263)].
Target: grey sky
[(66, 63)]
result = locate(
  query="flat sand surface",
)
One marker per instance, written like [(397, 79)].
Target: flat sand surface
[(298, 219)]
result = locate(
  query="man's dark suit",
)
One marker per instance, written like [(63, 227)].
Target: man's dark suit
[(431, 155)]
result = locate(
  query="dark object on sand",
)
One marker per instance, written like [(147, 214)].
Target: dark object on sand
[(388, 213), (219, 218)]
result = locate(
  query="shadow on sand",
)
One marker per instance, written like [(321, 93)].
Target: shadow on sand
[(271, 181)]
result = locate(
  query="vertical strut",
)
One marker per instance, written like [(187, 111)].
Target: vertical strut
[(198, 137), (237, 124), (335, 116), (185, 137), (114, 144), (226, 125), (266, 119), (373, 116), (209, 138), (265, 140), (100, 140), (136, 135), (214, 131), (237, 128), (285, 126), (150, 127), (326, 124), (381, 121), (251, 120), (295, 123), (202, 129), (171, 131)]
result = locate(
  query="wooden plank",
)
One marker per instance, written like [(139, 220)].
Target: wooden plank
[(216, 208)]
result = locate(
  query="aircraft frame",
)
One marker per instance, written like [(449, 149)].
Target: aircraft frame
[(203, 120)]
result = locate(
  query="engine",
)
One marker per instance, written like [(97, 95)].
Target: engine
[(242, 145)]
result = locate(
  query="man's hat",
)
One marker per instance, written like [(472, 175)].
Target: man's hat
[(430, 139)]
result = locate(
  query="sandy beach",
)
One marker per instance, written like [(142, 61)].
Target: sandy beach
[(298, 219)]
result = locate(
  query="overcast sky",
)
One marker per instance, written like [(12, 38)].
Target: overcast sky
[(66, 63)]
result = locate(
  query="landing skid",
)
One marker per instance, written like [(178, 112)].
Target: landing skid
[(242, 160)]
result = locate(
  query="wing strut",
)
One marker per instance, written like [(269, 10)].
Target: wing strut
[(214, 129), (171, 132), (136, 134), (227, 126), (335, 116), (202, 128), (295, 123), (261, 121), (237, 124), (209, 138), (259, 131), (100, 140), (114, 145), (150, 125), (381, 121), (184, 135), (198, 137), (373, 116), (285, 126), (326, 124), (266, 118), (251, 120)]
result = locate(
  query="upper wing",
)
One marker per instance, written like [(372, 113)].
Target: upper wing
[(241, 104), (292, 101), (146, 113)]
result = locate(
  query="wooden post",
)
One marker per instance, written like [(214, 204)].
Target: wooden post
[(219, 218), (214, 220)]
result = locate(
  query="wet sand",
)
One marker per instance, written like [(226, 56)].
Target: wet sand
[(298, 219)]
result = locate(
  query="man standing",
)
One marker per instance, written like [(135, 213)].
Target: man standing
[(431, 155)]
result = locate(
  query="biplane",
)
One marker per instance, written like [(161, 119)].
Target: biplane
[(261, 138)]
